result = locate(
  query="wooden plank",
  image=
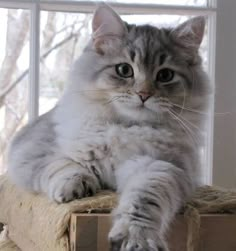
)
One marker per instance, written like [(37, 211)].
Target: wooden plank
[(177, 236), (88, 232), (83, 232), (104, 224), (218, 233)]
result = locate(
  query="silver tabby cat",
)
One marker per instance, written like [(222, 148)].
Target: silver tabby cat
[(125, 123)]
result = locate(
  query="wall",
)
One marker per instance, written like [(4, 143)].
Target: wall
[(224, 158)]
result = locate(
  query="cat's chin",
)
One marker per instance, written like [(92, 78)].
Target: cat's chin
[(139, 114)]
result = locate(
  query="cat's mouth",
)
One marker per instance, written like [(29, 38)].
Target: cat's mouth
[(143, 107)]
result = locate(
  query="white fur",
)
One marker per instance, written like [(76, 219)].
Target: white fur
[(102, 135)]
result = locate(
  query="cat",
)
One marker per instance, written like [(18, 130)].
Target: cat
[(130, 120)]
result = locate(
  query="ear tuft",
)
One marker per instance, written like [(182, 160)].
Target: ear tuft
[(190, 33), (107, 23)]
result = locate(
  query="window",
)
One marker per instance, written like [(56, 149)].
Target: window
[(14, 63), (53, 35)]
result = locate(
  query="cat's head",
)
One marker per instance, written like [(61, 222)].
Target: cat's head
[(143, 73)]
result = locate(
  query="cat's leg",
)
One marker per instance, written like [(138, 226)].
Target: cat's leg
[(151, 193), (60, 178), (66, 180), (86, 148)]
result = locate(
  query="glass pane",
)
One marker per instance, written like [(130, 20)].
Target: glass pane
[(63, 36), (14, 64)]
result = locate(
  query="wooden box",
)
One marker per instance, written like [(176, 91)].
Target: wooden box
[(88, 232)]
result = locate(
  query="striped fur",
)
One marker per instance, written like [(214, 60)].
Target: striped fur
[(101, 135)]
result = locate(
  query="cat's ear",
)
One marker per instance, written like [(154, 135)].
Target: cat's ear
[(107, 24), (190, 33)]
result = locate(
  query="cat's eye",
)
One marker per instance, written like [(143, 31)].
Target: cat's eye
[(165, 75), (124, 70)]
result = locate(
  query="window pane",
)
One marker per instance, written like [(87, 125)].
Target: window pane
[(63, 36), (14, 64)]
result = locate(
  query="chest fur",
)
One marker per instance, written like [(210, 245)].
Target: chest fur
[(122, 143)]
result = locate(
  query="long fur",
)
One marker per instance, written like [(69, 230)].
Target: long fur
[(101, 135)]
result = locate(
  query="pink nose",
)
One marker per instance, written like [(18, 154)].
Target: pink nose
[(144, 96)]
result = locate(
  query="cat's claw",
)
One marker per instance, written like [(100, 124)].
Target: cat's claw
[(128, 237)]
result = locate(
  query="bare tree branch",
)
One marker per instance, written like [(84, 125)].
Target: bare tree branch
[(66, 27), (5, 140), (65, 40), (49, 32), (17, 31), (10, 87), (7, 89)]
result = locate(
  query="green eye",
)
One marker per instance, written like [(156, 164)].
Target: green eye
[(165, 75), (124, 70)]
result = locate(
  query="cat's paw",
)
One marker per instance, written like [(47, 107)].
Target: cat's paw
[(75, 187), (125, 236)]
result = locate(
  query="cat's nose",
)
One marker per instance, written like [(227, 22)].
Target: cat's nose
[(144, 96)]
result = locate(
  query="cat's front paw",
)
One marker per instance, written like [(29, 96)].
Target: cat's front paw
[(127, 236), (75, 187)]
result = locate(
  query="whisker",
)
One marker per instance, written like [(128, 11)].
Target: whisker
[(111, 100), (187, 121), (197, 111), (102, 91), (183, 105), (188, 109), (186, 128), (193, 81)]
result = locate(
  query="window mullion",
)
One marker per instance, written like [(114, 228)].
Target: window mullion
[(34, 61), (211, 72), (212, 3)]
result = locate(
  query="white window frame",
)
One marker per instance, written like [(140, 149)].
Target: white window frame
[(35, 6)]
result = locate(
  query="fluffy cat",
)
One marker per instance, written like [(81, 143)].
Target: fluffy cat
[(125, 122)]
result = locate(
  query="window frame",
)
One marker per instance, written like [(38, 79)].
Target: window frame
[(35, 6)]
